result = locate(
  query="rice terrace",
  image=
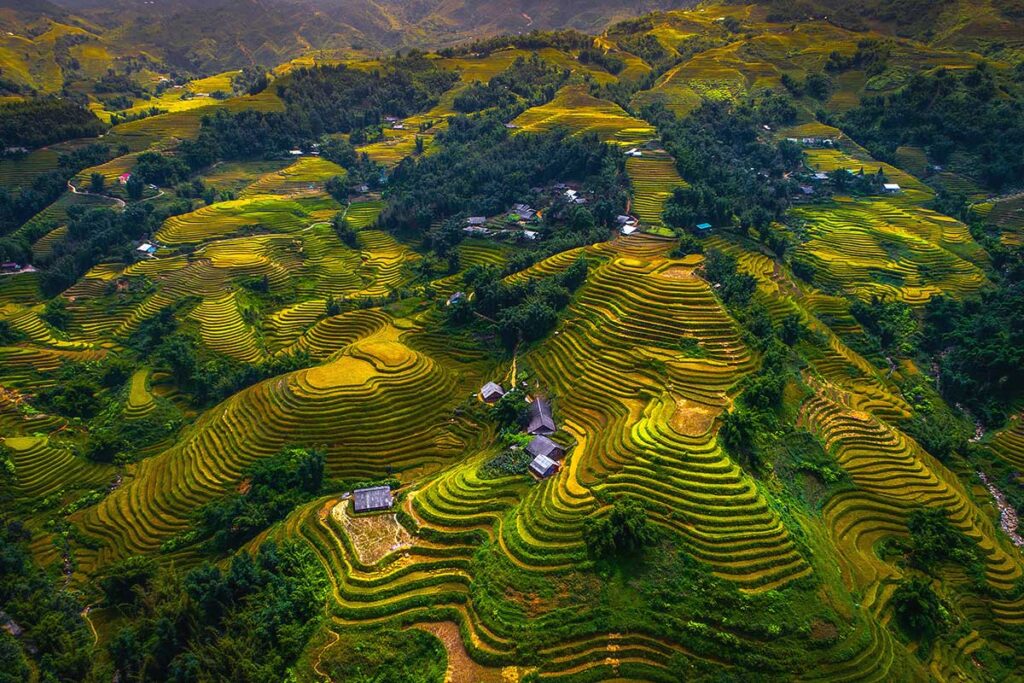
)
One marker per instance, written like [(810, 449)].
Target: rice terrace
[(446, 342)]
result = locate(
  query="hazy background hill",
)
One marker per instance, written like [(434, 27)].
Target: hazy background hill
[(212, 36)]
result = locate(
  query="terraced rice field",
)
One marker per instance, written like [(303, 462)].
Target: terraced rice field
[(307, 175), (377, 384), (574, 108), (653, 177), (880, 248), (258, 212)]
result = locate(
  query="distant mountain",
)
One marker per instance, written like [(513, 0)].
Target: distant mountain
[(214, 35)]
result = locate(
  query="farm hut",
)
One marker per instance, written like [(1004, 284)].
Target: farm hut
[(703, 227), (476, 221), (821, 175), (891, 188), (542, 445), (541, 421), (491, 392), (10, 267), (372, 499), (456, 298), (530, 234), (543, 466), (628, 229)]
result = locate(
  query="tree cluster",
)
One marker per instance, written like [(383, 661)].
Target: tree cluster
[(533, 81), (735, 175), (522, 311), (979, 347), (273, 487), (969, 119), (39, 122), (262, 609), (482, 169)]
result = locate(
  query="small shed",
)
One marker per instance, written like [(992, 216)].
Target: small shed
[(541, 421), (542, 445), (821, 175), (456, 298), (124, 178), (476, 220), (891, 188), (628, 229), (372, 499), (491, 392), (703, 227), (543, 466)]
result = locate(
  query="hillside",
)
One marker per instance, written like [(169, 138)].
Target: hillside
[(683, 345)]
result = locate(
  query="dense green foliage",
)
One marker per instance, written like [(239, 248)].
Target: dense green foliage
[(483, 169), (385, 655), (50, 616), (19, 206), (532, 81), (273, 487), (523, 311), (249, 622), (954, 117), (979, 345), (918, 609), (735, 175), (623, 532), (38, 122), (328, 99)]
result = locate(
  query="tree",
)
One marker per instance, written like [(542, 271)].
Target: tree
[(624, 532), (97, 183), (918, 609), (511, 410), (134, 187), (120, 579), (738, 432)]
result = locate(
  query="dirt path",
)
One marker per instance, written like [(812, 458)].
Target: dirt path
[(74, 190), (462, 669)]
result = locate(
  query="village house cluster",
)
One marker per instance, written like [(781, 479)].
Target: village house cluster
[(547, 454)]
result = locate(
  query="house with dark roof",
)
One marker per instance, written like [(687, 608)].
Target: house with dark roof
[(542, 445), (372, 499), (541, 421), (491, 392), (543, 466)]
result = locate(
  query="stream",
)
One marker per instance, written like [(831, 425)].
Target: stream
[(1007, 515)]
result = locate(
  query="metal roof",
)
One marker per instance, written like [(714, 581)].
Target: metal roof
[(542, 466), (373, 498), (542, 445), (541, 421)]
